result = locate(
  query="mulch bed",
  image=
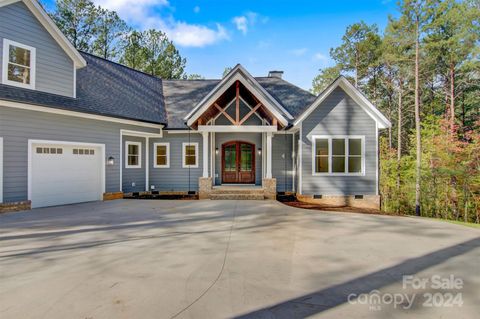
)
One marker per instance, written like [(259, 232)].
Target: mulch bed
[(348, 209)]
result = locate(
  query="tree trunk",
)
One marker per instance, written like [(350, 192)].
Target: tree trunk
[(452, 97), (356, 65), (417, 121), (447, 104), (390, 137), (399, 134)]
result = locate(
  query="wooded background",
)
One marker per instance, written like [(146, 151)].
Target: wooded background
[(422, 72)]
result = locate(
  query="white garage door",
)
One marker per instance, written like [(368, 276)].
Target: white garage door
[(65, 174)]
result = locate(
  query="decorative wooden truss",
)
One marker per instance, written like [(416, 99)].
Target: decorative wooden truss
[(235, 92)]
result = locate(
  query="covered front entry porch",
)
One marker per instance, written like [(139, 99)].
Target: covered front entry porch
[(237, 162), (237, 120)]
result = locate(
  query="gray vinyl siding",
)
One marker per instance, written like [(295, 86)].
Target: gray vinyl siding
[(296, 162), (133, 179), (244, 109), (255, 138), (18, 126), (176, 178), (338, 114), (54, 68), (282, 161)]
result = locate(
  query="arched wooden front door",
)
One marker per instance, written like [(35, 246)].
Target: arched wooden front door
[(238, 163)]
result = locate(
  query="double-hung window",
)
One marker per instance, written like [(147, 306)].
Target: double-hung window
[(338, 155), (190, 155), (161, 156), (133, 154), (18, 66)]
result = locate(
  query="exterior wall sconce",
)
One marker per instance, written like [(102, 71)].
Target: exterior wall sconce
[(216, 150), (259, 152), (110, 161)]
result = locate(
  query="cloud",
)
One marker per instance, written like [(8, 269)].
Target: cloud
[(196, 9), (241, 23), (299, 52), (144, 14), (320, 57), (248, 20), (197, 35)]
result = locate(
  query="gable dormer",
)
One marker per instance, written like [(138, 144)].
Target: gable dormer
[(34, 54)]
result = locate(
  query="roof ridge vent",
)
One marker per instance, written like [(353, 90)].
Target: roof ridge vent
[(275, 74)]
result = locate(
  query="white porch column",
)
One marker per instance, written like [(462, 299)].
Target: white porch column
[(205, 154), (269, 155)]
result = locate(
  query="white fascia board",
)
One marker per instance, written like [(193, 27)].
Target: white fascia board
[(212, 92), (7, 2), (356, 95), (236, 128), (181, 131), (55, 32), (140, 134), (46, 109), (261, 88)]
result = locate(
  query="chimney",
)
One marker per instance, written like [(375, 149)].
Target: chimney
[(275, 74)]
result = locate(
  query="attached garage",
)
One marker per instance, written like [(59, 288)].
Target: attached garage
[(62, 173)]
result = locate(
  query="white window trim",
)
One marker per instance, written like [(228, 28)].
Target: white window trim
[(167, 145), (330, 155), (5, 80), (184, 153), (139, 144)]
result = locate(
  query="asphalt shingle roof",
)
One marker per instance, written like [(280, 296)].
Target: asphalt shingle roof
[(181, 96), (294, 99), (110, 89), (103, 88)]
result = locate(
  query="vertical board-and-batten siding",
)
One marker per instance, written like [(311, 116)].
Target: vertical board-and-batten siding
[(133, 178), (54, 68), (338, 114), (282, 161), (176, 177), (18, 126)]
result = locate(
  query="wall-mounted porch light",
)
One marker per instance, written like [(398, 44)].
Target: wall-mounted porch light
[(216, 150), (110, 161), (259, 151)]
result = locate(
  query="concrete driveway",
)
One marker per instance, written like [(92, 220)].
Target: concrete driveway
[(217, 259)]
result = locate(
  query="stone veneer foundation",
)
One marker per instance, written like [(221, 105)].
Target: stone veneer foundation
[(270, 188), (204, 187)]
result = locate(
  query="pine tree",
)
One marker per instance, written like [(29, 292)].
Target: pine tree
[(76, 19)]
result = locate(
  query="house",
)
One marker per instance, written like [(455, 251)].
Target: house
[(75, 128)]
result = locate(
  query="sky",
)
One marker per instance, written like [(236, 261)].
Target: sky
[(262, 35)]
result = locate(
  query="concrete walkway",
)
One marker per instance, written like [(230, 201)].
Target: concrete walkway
[(219, 259)]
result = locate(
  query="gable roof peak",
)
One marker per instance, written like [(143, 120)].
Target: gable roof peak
[(39, 12), (239, 73), (342, 82)]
